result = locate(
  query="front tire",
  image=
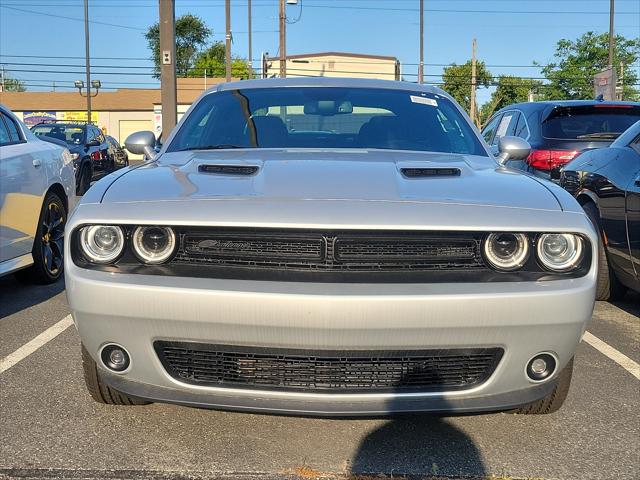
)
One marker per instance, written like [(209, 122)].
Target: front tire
[(48, 245), (552, 402), (608, 286), (100, 391)]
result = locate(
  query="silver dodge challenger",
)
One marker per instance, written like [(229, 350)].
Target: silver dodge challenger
[(336, 247)]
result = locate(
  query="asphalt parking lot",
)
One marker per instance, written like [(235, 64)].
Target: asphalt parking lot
[(50, 428)]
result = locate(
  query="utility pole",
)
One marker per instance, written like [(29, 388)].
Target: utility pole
[(612, 42), (168, 89), (283, 39), (249, 39), (1, 78), (472, 103), (86, 57), (227, 49), (421, 67)]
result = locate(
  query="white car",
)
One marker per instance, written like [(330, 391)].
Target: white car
[(37, 191)]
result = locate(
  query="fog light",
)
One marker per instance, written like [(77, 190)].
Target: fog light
[(115, 358), (541, 367)]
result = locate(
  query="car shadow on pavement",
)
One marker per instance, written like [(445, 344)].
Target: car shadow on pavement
[(630, 303), (424, 445), (16, 296), (421, 444)]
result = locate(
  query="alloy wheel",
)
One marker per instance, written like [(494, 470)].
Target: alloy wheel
[(53, 238)]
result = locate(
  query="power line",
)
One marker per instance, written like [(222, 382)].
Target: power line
[(96, 22)]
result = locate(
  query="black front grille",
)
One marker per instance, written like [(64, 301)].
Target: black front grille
[(327, 371), (325, 251)]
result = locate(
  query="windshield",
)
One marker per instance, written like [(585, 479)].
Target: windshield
[(592, 122), (70, 134), (309, 117)]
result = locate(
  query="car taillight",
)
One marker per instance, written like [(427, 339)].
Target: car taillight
[(95, 155), (550, 159)]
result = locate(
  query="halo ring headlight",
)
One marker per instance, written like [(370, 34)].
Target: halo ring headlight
[(153, 244), (102, 243), (560, 252), (506, 251)]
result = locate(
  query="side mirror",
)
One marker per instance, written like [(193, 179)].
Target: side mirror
[(512, 148), (141, 143)]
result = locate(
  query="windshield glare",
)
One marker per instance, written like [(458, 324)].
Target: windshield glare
[(330, 117), (71, 134)]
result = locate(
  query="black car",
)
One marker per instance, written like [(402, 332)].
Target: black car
[(118, 154), (606, 182), (88, 146), (559, 130)]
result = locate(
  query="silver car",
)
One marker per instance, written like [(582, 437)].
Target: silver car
[(329, 247), (37, 190)]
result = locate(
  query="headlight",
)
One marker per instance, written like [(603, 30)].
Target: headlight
[(560, 252), (153, 245), (74, 156), (102, 243), (506, 251)]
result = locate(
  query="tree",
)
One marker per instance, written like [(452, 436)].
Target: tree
[(191, 35), (213, 61), (457, 81), (576, 62), (509, 90), (10, 84)]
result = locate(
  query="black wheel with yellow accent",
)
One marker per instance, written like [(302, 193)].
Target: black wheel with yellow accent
[(48, 246)]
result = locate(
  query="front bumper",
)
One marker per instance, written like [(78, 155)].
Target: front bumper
[(523, 318)]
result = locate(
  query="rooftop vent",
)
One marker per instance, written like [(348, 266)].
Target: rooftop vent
[(430, 172)]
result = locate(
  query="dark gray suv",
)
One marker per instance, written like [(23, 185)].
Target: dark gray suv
[(559, 130)]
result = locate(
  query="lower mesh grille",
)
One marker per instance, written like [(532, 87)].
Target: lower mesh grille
[(339, 371)]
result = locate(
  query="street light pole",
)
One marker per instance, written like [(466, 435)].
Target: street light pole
[(421, 67), (86, 57), (283, 39), (168, 88), (612, 41), (472, 98), (249, 39), (227, 50)]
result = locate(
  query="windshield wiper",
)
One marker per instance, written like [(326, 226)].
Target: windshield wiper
[(221, 146), (600, 135)]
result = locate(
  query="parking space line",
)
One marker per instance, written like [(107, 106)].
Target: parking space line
[(620, 358), (33, 345)]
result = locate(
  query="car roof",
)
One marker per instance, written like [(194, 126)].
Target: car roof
[(327, 82), (565, 103), (63, 124)]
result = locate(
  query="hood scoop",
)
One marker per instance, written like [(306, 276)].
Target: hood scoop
[(430, 172), (241, 170)]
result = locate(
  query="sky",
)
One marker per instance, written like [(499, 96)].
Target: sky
[(37, 35)]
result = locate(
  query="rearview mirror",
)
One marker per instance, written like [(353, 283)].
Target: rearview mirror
[(328, 108), (512, 148), (141, 143)]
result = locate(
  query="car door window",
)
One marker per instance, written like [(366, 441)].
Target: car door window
[(505, 127), (490, 129), (91, 134), (14, 134), (522, 129), (5, 138)]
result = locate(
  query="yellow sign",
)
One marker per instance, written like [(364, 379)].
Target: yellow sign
[(77, 116)]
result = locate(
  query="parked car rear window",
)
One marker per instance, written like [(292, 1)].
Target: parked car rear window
[(71, 134), (308, 117), (593, 122)]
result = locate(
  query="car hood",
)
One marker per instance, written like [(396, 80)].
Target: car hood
[(362, 175)]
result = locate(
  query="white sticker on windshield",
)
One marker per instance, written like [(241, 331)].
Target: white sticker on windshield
[(424, 100)]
